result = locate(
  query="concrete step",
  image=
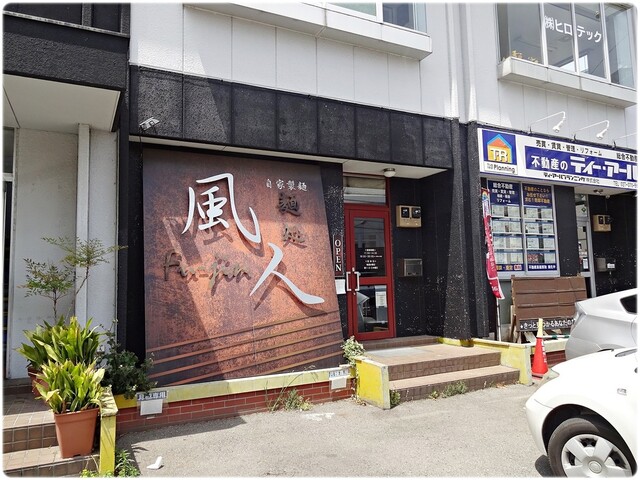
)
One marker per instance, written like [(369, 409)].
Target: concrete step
[(422, 360), (29, 436), (27, 423), (399, 342), (15, 386), (475, 379), (30, 446), (45, 462)]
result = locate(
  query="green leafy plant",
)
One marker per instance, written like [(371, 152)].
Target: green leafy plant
[(86, 473), (292, 400), (124, 464), (36, 353), (287, 398), (433, 395), (123, 370), (124, 467), (457, 388), (352, 348), (395, 398), (70, 387), (73, 342)]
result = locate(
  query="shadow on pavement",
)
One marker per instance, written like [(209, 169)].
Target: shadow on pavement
[(543, 467), (130, 440)]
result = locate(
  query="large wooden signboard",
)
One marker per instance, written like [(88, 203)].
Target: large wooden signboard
[(239, 274), (551, 298)]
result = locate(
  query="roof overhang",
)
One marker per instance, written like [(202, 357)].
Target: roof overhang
[(357, 167), (56, 106)]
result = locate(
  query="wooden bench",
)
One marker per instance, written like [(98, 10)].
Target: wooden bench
[(550, 298)]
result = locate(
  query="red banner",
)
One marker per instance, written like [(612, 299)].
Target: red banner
[(492, 272)]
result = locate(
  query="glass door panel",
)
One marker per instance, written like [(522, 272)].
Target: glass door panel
[(372, 309), (370, 246), (368, 275)]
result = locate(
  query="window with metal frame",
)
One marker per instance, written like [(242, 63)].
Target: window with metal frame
[(593, 39), (408, 15)]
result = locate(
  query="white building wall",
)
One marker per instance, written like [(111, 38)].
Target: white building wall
[(45, 205), (200, 42), (458, 79), (438, 72)]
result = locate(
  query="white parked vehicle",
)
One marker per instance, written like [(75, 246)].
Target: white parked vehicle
[(583, 415), (605, 322)]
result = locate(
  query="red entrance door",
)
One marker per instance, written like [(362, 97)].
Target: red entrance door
[(369, 284)]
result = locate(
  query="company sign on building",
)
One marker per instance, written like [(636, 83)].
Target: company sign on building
[(239, 274), (554, 161)]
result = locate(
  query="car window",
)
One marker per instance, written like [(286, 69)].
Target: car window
[(630, 304)]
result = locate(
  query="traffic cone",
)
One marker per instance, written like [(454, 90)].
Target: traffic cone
[(539, 366)]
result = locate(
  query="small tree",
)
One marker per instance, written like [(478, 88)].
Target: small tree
[(54, 281), (48, 280)]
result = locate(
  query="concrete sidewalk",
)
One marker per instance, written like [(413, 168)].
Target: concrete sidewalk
[(478, 434)]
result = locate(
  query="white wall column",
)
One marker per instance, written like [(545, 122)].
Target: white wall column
[(82, 213), (103, 211)]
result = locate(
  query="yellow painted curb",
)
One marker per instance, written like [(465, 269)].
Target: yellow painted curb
[(239, 385), (108, 412), (373, 382)]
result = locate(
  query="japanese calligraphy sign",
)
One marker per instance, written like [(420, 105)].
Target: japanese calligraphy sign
[(238, 268), (555, 161)]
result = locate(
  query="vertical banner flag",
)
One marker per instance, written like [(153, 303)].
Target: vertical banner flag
[(492, 272)]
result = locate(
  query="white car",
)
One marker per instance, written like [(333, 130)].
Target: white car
[(605, 322), (583, 415)]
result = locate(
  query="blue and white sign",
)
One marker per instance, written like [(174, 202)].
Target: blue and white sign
[(555, 161)]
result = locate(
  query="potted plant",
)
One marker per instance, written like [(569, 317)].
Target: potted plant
[(73, 342), (35, 352), (73, 391), (59, 342)]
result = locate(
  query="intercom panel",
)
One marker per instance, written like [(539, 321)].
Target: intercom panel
[(408, 216)]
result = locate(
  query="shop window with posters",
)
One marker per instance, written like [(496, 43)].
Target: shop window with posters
[(523, 228)]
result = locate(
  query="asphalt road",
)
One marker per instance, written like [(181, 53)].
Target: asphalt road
[(478, 434)]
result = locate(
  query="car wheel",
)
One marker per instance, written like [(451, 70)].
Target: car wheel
[(587, 447)]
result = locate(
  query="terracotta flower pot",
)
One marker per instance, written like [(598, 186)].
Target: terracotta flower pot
[(75, 431), (34, 380)]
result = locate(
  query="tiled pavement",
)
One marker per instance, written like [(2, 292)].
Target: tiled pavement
[(29, 440)]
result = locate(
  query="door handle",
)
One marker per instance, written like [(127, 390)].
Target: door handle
[(357, 289), (346, 281)]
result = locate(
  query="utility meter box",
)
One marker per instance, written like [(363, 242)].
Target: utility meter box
[(605, 264), (601, 223), (408, 216), (410, 267)]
